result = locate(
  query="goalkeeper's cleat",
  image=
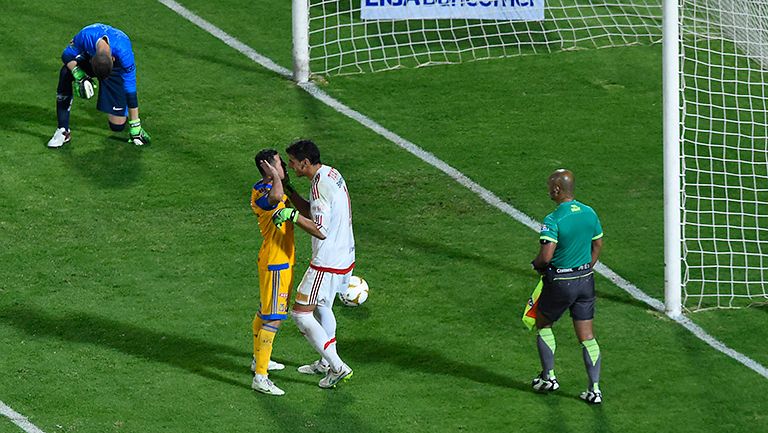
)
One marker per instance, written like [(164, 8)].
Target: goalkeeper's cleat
[(593, 396), (60, 137), (317, 367), (539, 383), (272, 366), (334, 377), (263, 385)]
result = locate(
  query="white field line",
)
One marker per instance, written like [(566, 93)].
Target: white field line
[(18, 419), (456, 175)]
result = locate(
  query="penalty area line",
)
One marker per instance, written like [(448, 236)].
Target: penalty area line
[(488, 196), (18, 419)]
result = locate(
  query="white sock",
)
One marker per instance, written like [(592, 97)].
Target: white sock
[(317, 337), (324, 315)]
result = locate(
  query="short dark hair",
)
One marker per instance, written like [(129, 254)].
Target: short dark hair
[(102, 65), (304, 149), (264, 155)]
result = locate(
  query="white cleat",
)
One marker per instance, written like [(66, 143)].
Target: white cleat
[(60, 137), (545, 385), (334, 377), (272, 366), (592, 397), (316, 367), (263, 385)]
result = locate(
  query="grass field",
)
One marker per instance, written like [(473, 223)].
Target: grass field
[(128, 280)]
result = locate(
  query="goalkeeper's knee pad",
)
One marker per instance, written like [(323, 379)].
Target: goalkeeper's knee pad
[(117, 127)]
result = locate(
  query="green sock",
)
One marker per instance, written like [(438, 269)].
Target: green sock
[(592, 360), (545, 341)]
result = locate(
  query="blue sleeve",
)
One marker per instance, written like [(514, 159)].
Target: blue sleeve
[(74, 49), (263, 202), (133, 100), (129, 79), (123, 52)]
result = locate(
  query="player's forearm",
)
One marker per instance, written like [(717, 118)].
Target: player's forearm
[(300, 204), (276, 193), (546, 252), (597, 246), (133, 113), (539, 263), (310, 227)]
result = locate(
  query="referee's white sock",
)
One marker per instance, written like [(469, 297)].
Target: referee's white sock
[(318, 338)]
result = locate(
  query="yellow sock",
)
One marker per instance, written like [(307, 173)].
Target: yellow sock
[(257, 322), (266, 337)]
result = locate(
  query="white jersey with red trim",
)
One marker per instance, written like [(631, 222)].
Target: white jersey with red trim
[(331, 210)]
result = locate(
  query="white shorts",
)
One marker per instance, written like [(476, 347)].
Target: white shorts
[(320, 288)]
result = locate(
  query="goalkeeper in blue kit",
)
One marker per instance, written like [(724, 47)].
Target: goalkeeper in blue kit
[(99, 59)]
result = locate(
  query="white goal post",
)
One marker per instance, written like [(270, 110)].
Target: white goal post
[(715, 153)]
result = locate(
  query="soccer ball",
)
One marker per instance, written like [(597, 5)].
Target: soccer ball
[(356, 293)]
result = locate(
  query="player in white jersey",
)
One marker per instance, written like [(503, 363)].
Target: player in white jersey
[(327, 216)]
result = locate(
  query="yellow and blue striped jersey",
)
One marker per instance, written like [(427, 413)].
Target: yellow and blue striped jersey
[(277, 247)]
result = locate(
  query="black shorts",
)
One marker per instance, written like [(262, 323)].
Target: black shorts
[(565, 289), (112, 98)]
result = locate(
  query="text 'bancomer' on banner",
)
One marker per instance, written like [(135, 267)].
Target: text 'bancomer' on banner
[(502, 10)]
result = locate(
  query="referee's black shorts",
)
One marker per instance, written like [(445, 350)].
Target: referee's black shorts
[(565, 289)]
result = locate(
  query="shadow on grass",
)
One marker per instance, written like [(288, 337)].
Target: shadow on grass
[(114, 163), (445, 254), (196, 356), (411, 357), (608, 292), (27, 119)]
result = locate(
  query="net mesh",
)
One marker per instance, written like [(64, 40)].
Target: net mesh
[(724, 55), (341, 43), (724, 118)]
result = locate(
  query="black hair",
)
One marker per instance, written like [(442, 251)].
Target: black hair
[(304, 149), (268, 155), (102, 65)]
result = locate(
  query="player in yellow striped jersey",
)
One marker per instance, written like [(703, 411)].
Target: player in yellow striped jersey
[(275, 265)]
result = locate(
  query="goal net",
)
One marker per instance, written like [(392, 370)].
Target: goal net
[(341, 42), (724, 152)]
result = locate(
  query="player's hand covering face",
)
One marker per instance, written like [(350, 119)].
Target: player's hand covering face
[(269, 169)]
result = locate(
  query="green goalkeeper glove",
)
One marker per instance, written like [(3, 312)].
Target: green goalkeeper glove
[(285, 214), (83, 86), (139, 136)]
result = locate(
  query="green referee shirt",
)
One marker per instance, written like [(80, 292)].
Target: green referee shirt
[(573, 226)]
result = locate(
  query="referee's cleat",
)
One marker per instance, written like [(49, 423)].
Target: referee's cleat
[(592, 396), (539, 383)]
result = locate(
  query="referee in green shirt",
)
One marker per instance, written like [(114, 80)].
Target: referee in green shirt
[(571, 240)]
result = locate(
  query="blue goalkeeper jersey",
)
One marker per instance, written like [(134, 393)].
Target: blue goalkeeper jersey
[(84, 45)]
